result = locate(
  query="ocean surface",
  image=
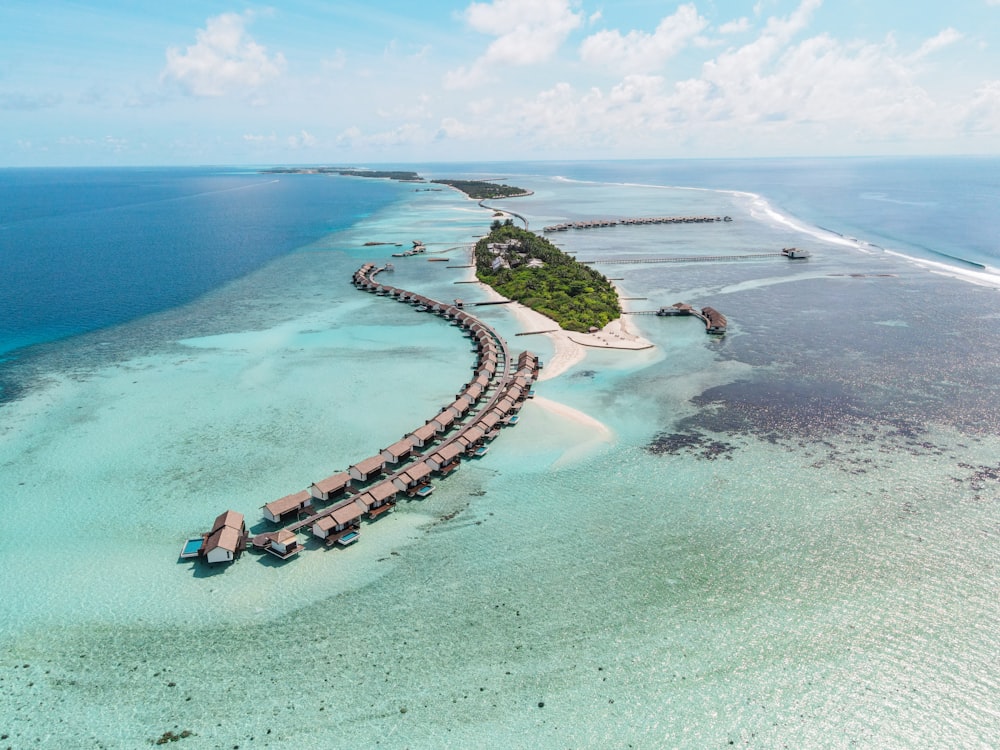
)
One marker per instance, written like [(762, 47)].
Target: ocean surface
[(788, 536)]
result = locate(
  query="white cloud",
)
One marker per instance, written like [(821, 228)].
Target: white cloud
[(225, 59), (527, 32), (817, 92), (302, 140), (945, 38), (982, 116), (639, 51)]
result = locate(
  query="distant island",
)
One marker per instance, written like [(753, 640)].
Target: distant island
[(482, 190), (348, 172), (525, 267)]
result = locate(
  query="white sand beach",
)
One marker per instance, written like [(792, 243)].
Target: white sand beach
[(570, 346)]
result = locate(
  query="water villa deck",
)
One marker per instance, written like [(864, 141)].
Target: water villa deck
[(460, 430), (715, 322)]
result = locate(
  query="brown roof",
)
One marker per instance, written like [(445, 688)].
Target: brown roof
[(287, 503), (447, 453), (424, 433), (472, 434), (334, 483), (282, 536), (475, 390), (460, 405), (445, 418), (416, 472), (400, 447), (489, 420), (374, 463), (230, 519), (346, 511), (379, 492), (226, 537), (505, 404)]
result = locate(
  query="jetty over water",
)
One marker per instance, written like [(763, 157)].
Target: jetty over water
[(791, 253), (633, 222), (369, 488), (715, 322)]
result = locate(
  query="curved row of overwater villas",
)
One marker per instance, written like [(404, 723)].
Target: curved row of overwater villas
[(369, 488)]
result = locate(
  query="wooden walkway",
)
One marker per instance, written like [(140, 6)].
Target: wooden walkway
[(687, 259), (715, 322), (493, 398), (636, 221)]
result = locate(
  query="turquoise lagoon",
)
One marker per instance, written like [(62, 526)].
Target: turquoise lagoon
[(788, 539)]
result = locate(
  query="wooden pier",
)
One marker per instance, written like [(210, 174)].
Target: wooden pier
[(715, 322), (636, 221), (368, 489), (684, 259)]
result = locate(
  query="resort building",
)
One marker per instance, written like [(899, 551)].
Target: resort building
[(282, 544), (329, 488), (340, 525), (444, 420), (446, 458), (227, 539), (413, 478), (398, 451), (289, 505), (370, 467), (423, 435), (379, 499)]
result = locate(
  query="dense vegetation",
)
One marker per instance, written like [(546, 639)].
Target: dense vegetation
[(574, 295), (481, 190), (349, 172)]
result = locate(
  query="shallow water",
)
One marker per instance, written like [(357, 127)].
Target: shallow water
[(790, 539)]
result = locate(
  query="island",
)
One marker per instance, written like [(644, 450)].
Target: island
[(483, 190), (527, 268), (401, 176)]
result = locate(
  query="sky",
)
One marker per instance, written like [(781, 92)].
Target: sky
[(147, 82)]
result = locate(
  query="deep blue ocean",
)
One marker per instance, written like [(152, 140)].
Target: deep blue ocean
[(83, 249), (933, 207)]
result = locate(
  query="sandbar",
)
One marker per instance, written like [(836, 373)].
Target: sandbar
[(570, 347)]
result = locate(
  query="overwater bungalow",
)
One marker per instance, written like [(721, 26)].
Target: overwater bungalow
[(411, 480), (289, 505), (282, 544), (423, 435), (715, 322), (459, 407), (516, 393), (340, 525), (471, 437), (505, 406), (446, 459), (370, 467), (444, 420), (379, 499), (489, 421), (472, 393), (227, 539), (327, 489), (398, 451)]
